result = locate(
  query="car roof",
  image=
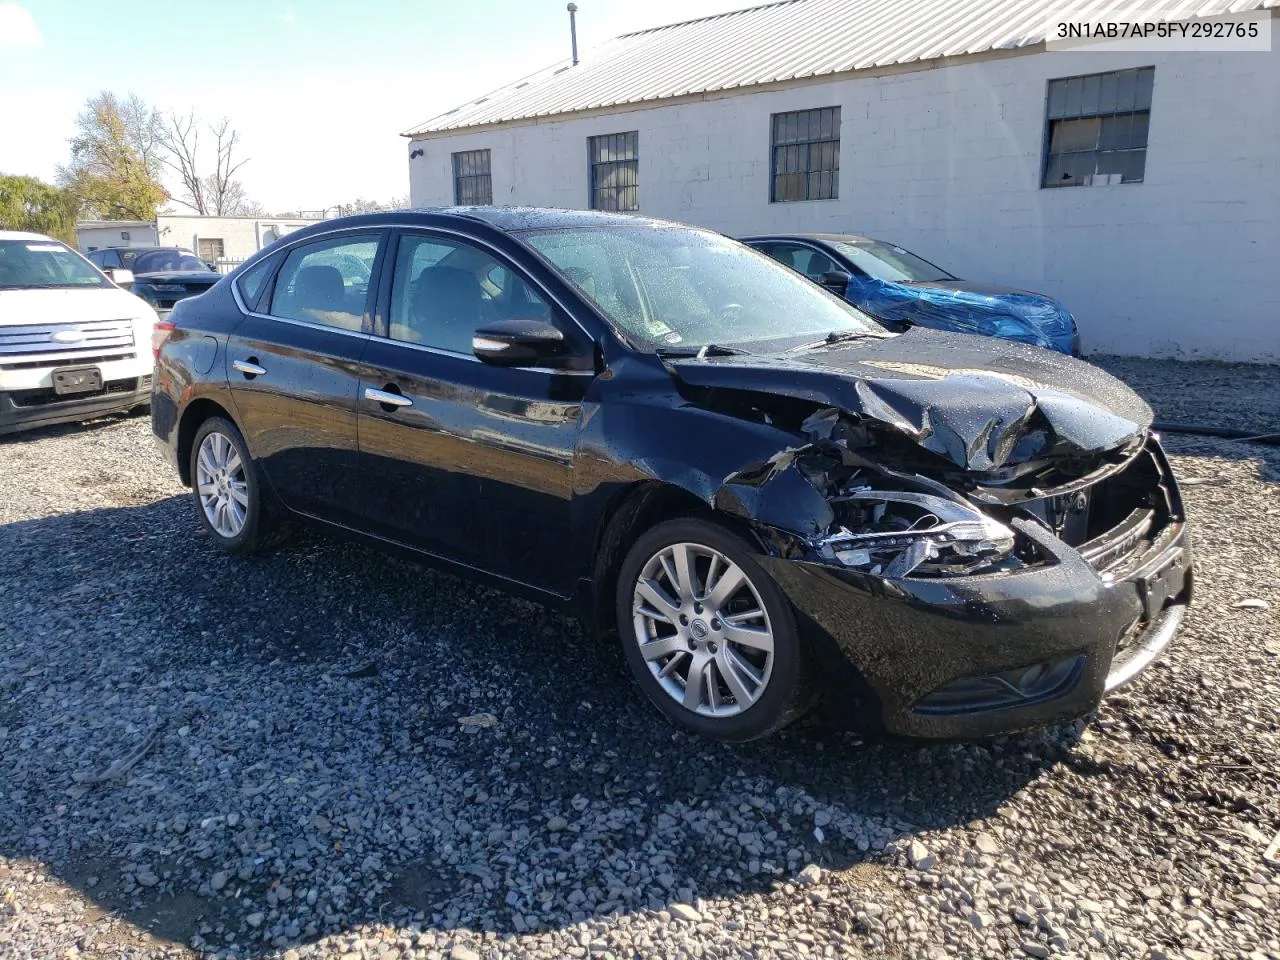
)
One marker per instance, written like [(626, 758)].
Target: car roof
[(547, 218), (846, 237), (506, 219), (23, 235)]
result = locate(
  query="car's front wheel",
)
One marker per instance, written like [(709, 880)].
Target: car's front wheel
[(707, 633), (225, 488)]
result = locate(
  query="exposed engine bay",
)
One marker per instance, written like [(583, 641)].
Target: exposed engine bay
[(898, 504)]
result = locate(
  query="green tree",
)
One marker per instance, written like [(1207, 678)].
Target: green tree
[(114, 169), (27, 203)]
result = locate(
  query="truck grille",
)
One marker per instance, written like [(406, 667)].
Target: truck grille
[(54, 344)]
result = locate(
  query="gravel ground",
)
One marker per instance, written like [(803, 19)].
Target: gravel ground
[(325, 752)]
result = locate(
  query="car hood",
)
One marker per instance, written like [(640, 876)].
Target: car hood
[(969, 307), (66, 305), (982, 403), (975, 287), (179, 276)]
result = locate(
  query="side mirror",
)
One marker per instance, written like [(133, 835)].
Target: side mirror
[(120, 276), (837, 281), (520, 343)]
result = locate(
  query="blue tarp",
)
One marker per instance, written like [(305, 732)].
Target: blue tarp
[(1025, 317)]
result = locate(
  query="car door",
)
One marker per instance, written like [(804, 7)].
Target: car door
[(464, 460), (292, 370)]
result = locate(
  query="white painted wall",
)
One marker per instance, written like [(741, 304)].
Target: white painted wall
[(112, 235), (241, 237), (946, 162)]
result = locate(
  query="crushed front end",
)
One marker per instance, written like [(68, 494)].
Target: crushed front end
[(989, 581)]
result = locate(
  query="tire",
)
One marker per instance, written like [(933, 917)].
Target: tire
[(662, 651), (246, 524)]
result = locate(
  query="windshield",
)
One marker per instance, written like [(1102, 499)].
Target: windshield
[(37, 264), (677, 288), (167, 261), (884, 261)]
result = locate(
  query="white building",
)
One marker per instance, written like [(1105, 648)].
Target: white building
[(934, 124), (222, 240)]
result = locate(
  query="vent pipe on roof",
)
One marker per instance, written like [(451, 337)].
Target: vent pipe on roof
[(573, 30)]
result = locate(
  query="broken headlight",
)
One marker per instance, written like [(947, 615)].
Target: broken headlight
[(893, 533)]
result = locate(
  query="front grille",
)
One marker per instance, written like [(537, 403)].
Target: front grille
[(33, 364), (37, 345), (44, 396), (1122, 518)]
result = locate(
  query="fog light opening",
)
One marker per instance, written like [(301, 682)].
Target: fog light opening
[(1009, 688)]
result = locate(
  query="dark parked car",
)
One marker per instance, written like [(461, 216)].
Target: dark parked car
[(763, 491), (161, 275), (896, 286)]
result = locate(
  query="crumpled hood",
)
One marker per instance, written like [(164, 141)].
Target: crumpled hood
[(982, 403)]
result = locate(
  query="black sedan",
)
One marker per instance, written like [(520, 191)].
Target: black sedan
[(760, 490), (164, 276)]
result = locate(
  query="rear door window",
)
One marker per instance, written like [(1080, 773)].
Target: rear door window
[(327, 282)]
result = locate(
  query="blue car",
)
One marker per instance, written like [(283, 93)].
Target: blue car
[(895, 285)]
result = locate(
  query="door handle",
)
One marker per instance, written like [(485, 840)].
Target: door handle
[(386, 398), (249, 368)]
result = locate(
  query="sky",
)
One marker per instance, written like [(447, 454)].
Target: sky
[(320, 90)]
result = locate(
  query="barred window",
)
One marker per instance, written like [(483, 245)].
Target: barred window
[(615, 171), (806, 155), (472, 184), (1096, 128)]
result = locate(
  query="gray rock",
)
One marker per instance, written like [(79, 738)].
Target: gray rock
[(810, 875), (919, 856), (682, 911)]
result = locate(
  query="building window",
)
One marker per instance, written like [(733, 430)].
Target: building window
[(472, 184), (615, 171), (1096, 128), (210, 248), (806, 155)]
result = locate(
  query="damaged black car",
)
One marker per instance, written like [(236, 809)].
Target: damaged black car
[(760, 493)]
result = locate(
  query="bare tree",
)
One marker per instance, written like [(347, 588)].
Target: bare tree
[(218, 193), (226, 193), (180, 143)]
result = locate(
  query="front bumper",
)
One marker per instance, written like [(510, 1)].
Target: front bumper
[(943, 657), (41, 407)]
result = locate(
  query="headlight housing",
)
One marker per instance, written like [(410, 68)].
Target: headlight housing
[(1008, 327), (894, 533)]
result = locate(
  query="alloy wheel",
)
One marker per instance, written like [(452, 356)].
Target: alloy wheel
[(222, 485), (702, 629)]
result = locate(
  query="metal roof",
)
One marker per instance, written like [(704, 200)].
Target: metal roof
[(785, 40)]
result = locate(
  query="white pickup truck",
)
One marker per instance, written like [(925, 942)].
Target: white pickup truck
[(73, 345)]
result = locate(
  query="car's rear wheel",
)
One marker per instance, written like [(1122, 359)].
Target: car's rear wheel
[(707, 633), (225, 488)]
